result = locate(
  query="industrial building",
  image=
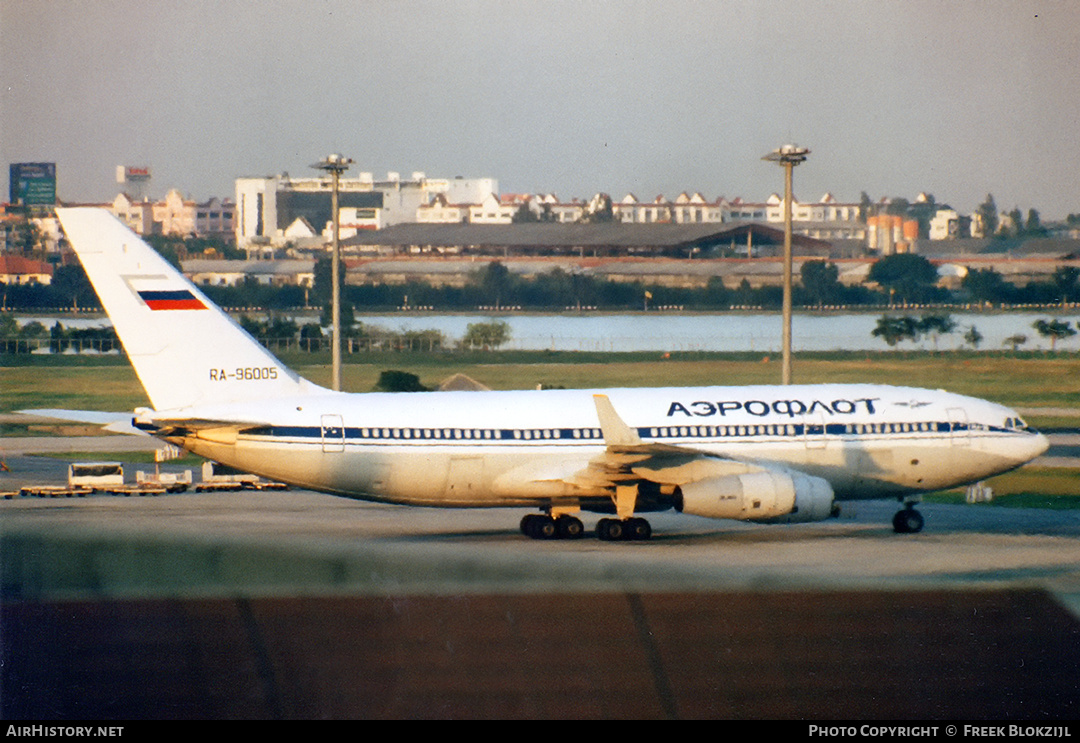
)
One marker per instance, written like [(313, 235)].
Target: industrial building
[(278, 210)]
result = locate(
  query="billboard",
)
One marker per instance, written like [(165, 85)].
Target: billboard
[(32, 184), (132, 173)]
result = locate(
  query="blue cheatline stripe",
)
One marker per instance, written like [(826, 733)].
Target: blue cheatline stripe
[(792, 431)]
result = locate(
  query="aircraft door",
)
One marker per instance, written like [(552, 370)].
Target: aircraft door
[(959, 430), (464, 477), (332, 433)]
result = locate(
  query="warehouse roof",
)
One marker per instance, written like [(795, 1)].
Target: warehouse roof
[(609, 235)]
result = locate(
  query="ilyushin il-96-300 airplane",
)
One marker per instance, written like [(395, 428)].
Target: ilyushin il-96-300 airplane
[(770, 454)]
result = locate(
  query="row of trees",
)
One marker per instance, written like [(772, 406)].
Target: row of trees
[(896, 279), (895, 329), (1015, 225), (988, 285), (282, 333), (277, 332), (58, 339)]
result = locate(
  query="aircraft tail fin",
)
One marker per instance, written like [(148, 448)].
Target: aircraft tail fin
[(185, 350)]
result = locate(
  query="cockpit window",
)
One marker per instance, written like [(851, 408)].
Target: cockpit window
[(1016, 424)]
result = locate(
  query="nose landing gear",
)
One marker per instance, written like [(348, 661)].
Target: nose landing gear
[(907, 520)]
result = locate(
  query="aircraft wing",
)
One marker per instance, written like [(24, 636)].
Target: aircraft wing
[(628, 459), (662, 464), (703, 483)]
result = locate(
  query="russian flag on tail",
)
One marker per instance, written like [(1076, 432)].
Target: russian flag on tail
[(180, 299)]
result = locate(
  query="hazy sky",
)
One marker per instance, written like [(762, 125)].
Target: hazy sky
[(893, 97)]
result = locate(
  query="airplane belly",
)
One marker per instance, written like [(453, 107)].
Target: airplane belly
[(406, 475), (881, 469)]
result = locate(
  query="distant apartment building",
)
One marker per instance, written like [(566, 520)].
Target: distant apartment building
[(278, 210), (37, 234), (504, 209), (887, 234), (553, 209), (694, 209), (630, 210), (738, 210), (685, 209), (442, 211), (281, 211), (138, 215), (948, 224), (266, 273), (501, 209), (175, 215), (825, 219), (17, 270)]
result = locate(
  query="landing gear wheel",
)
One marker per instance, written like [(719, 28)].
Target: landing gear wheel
[(609, 530), (638, 529), (907, 521), (569, 527), (539, 526), (632, 529), (526, 523)]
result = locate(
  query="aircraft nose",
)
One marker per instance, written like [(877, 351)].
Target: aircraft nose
[(1040, 445), (1032, 446)]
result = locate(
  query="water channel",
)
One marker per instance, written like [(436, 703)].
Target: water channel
[(665, 331)]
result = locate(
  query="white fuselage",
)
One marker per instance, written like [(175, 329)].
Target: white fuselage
[(529, 448), (759, 453)]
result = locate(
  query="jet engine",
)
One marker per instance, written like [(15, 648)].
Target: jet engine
[(767, 496)]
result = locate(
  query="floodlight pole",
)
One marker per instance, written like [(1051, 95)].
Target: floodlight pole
[(335, 165), (788, 156)]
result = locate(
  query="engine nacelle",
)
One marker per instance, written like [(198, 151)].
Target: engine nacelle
[(773, 497)]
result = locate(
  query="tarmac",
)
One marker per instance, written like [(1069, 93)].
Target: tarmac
[(297, 605)]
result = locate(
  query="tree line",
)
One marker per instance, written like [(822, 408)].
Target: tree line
[(34, 336), (902, 278), (896, 279), (895, 329)]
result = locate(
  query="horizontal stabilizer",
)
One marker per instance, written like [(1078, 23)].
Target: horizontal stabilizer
[(93, 417), (111, 422)]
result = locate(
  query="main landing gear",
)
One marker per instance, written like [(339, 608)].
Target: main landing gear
[(543, 526), (633, 529), (907, 520)]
